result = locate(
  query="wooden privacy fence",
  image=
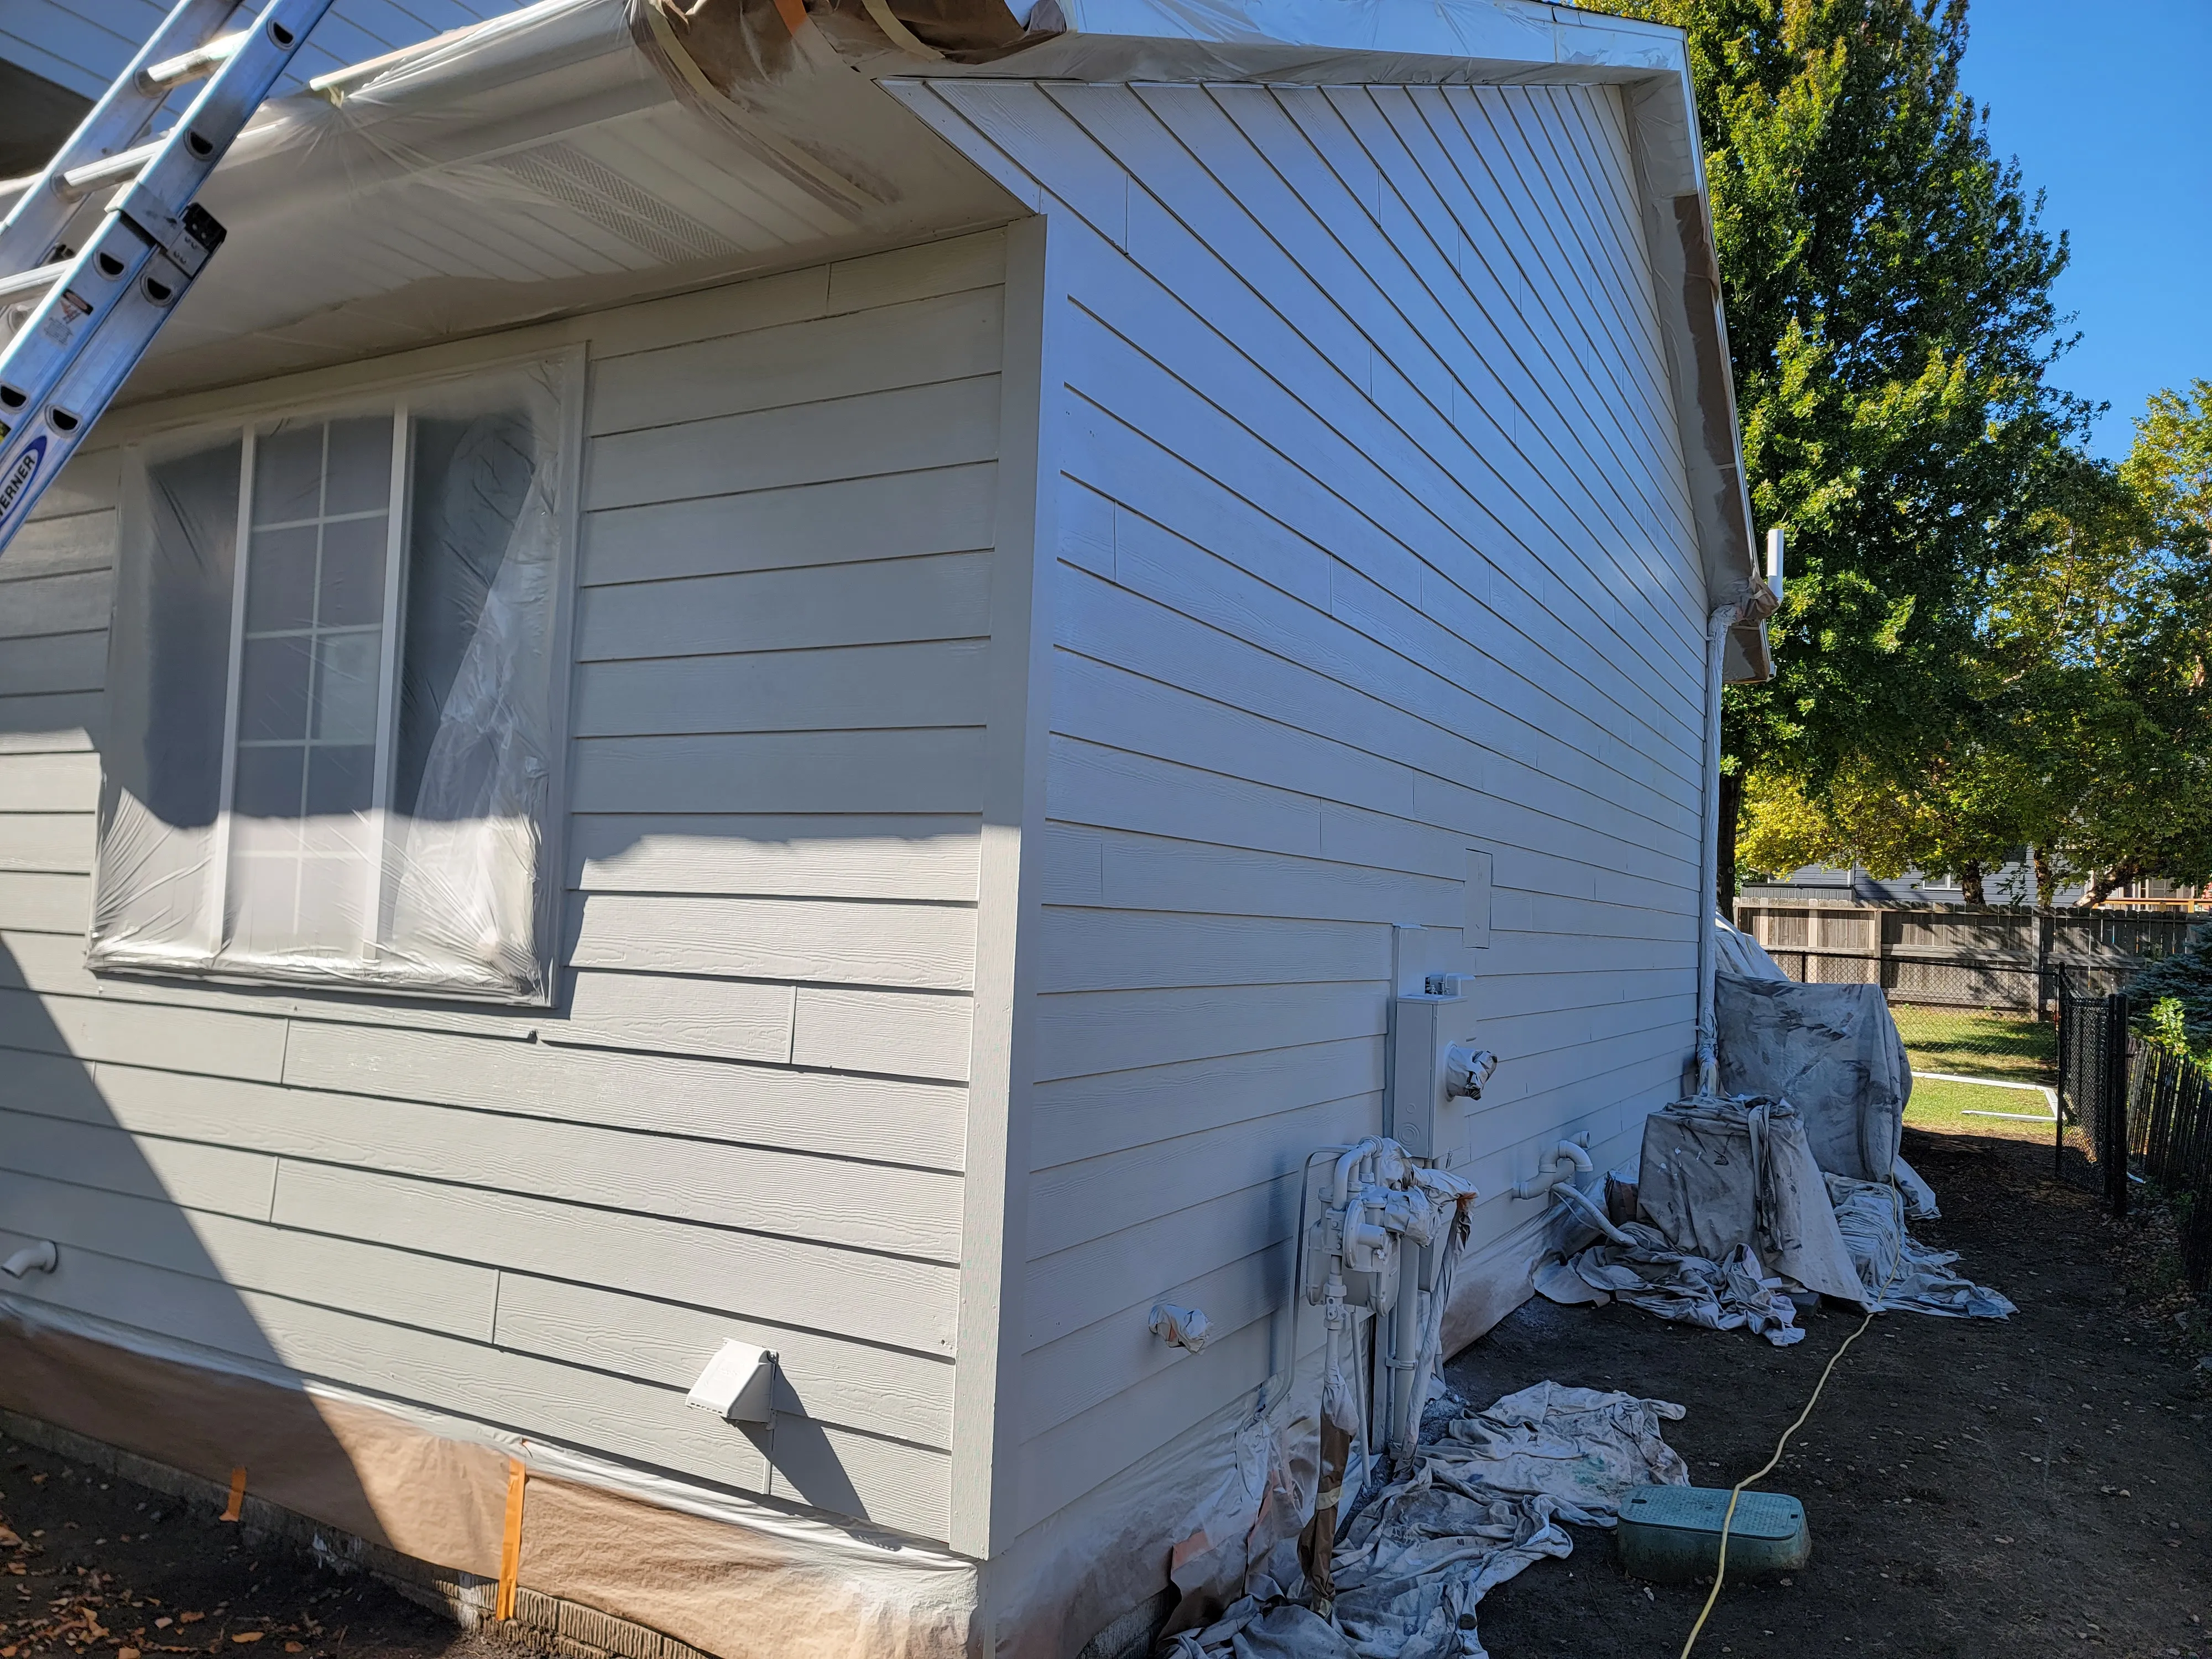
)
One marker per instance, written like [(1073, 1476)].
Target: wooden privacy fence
[(1958, 957)]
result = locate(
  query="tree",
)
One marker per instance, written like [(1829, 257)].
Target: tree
[(1888, 286), (2093, 735)]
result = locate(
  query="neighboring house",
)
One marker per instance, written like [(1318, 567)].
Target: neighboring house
[(57, 56), (700, 695)]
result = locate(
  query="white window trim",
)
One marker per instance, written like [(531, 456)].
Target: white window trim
[(330, 393)]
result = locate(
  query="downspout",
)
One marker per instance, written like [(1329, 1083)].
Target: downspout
[(1758, 602)]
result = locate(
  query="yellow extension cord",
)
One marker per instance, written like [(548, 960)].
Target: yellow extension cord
[(1720, 1569)]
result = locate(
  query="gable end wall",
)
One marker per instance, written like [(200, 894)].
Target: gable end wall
[(1374, 549)]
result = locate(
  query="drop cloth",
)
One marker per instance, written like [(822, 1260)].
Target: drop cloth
[(1918, 1278), (1833, 1052), (1485, 1500)]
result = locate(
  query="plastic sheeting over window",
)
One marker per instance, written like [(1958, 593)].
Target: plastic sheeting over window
[(331, 716)]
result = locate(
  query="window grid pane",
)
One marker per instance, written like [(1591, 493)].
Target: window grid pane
[(309, 687)]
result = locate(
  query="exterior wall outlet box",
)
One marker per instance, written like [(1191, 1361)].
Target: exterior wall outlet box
[(739, 1383), (1672, 1534)]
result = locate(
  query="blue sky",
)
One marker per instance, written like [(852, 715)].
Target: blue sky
[(2107, 108)]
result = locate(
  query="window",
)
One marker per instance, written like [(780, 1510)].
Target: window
[(332, 688)]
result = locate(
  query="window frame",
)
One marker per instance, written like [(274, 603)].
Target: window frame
[(334, 395)]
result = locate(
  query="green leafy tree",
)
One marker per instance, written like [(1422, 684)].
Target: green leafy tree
[(1887, 285), (2092, 739)]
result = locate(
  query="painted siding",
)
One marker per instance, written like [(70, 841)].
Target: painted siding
[(746, 1117), (1374, 549), (82, 48)]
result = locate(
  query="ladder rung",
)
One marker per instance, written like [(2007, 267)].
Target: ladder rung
[(191, 65), (27, 284), (109, 170)]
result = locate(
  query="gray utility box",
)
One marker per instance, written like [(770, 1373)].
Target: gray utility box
[(1421, 1111), (1672, 1534)]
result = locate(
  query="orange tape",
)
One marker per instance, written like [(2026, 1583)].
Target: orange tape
[(237, 1494), (794, 13), (510, 1543)]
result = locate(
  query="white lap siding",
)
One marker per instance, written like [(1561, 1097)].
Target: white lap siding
[(1374, 549), (745, 1117)]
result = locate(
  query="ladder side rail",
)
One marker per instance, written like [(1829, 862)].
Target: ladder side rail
[(155, 200), (72, 355), (34, 226)]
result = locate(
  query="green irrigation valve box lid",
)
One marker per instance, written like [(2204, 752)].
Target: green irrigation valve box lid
[(1672, 1534)]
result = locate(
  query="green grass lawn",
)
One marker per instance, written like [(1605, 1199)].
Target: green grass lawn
[(1943, 1107), (1977, 1044)]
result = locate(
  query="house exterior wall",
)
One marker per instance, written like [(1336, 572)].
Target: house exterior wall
[(744, 1118), (82, 48), (1374, 549)]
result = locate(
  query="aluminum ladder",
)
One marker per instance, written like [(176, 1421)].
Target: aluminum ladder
[(96, 306)]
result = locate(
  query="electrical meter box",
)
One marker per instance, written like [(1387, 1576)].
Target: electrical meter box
[(1426, 1086)]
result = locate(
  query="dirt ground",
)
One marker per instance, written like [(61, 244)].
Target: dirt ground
[(1973, 1488), (97, 1566)]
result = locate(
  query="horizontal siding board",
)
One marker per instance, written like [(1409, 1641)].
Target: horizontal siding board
[(48, 783), (51, 546), (1075, 1203), (873, 772), (44, 902), (193, 1177), (942, 425), (56, 723), (60, 842), (941, 596), (945, 266), (1086, 1117), (1085, 1368), (1065, 1462), (1078, 1286), (210, 1142), (1181, 616), (1083, 949), (73, 603), (911, 343), (249, 1254), (92, 481), (1550, 662), (878, 686), (780, 854), (904, 1122), (55, 663), (1114, 789), (1080, 1032), (889, 516), (730, 1019), (176, 1039), (925, 946), (1151, 872), (900, 1301), (892, 1033)]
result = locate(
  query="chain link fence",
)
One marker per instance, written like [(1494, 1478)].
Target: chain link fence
[(2045, 1051)]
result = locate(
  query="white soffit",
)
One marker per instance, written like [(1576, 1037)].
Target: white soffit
[(536, 166)]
